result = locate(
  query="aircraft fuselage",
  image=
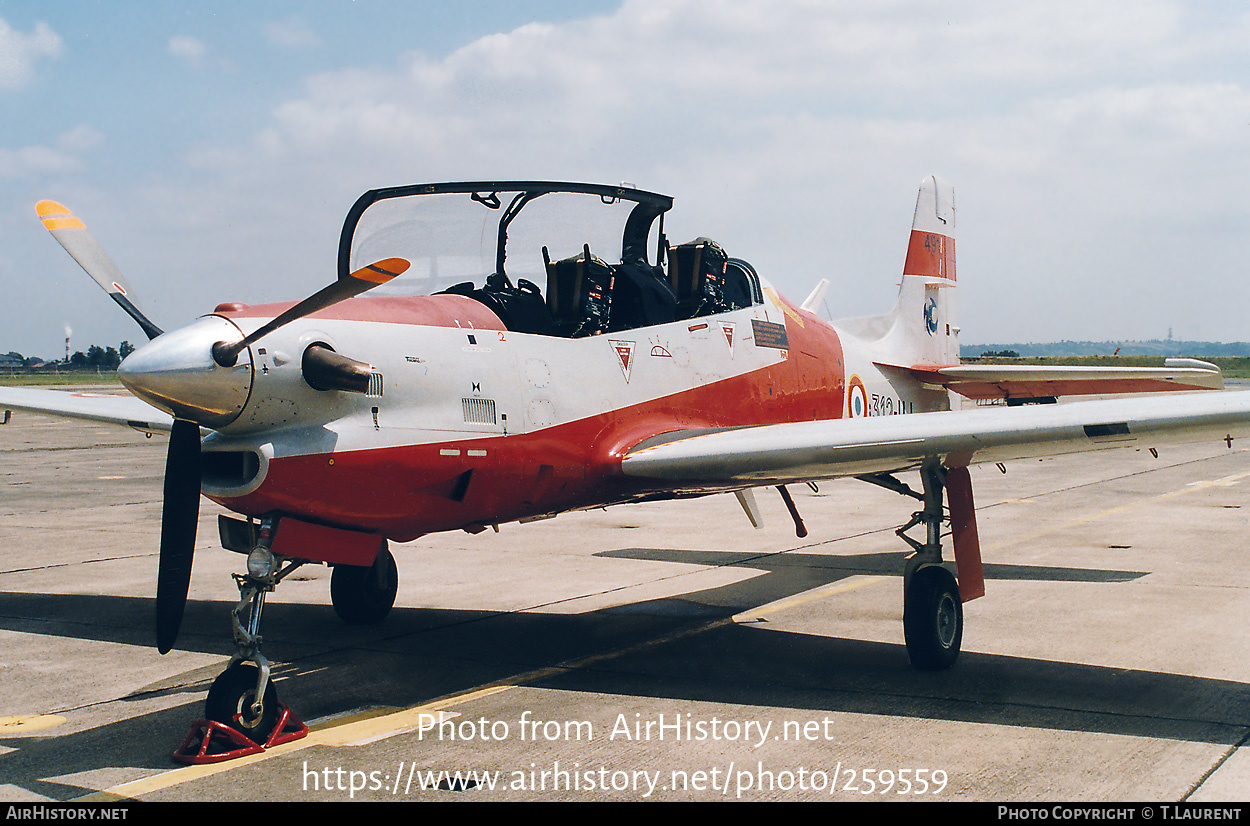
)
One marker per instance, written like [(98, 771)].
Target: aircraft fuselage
[(475, 425)]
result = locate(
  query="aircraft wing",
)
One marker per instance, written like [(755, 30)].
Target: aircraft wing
[(1007, 381), (783, 453), (98, 407)]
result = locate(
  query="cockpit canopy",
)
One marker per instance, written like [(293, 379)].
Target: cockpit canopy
[(599, 251), (456, 232)]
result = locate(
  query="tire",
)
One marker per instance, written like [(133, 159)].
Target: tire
[(364, 596), (933, 619), (230, 702)]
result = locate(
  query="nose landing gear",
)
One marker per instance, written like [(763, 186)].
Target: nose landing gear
[(242, 714), (233, 701)]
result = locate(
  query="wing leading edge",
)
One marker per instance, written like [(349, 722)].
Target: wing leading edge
[(120, 410), (783, 453)]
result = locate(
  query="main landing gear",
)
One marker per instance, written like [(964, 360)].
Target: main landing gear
[(364, 596), (933, 618)]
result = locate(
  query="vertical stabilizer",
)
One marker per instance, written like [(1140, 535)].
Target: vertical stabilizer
[(931, 248), (925, 315), (922, 329)]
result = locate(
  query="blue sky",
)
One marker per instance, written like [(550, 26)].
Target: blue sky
[(1098, 150), (156, 78)]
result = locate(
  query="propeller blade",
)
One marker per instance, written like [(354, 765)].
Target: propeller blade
[(365, 278), (180, 514), (82, 246)]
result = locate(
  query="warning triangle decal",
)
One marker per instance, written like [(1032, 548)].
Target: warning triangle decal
[(727, 327), (625, 355)]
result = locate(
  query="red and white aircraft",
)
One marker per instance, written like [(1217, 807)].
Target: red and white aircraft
[(334, 425)]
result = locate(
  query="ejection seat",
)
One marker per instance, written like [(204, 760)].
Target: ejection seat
[(579, 294), (696, 272), (519, 307)]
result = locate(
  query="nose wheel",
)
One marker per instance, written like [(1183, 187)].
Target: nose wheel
[(233, 701)]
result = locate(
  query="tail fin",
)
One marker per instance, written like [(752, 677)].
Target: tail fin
[(931, 248), (925, 313), (921, 329)]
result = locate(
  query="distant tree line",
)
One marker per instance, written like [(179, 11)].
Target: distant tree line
[(96, 356), (1151, 347)]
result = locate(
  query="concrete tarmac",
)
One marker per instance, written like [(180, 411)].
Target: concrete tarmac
[(661, 651)]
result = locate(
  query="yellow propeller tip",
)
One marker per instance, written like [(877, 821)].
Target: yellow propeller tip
[(50, 208)]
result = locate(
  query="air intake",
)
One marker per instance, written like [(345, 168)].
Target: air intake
[(479, 411)]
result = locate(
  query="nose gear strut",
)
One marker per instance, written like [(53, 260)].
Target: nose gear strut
[(242, 714)]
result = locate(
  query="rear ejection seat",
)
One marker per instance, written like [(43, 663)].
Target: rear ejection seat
[(696, 272)]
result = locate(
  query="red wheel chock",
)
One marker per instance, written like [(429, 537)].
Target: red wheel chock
[(214, 742)]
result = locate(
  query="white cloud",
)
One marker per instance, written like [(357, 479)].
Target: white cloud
[(1085, 140), (681, 69), (65, 156), (291, 33), (79, 139), (18, 52), (189, 49)]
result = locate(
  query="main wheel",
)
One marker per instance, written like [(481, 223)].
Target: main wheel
[(231, 700), (933, 619), (364, 596)]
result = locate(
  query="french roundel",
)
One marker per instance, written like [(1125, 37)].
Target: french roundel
[(856, 398)]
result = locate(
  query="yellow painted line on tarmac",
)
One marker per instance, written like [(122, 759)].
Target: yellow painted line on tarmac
[(370, 731), (813, 595), (21, 723), (345, 731)]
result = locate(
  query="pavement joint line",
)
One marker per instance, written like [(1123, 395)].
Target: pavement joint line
[(1229, 752), (1190, 487), (1100, 481), (79, 562)]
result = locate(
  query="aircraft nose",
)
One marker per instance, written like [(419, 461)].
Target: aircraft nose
[(176, 373)]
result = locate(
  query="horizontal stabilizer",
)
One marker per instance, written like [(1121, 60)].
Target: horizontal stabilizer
[(1022, 381)]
